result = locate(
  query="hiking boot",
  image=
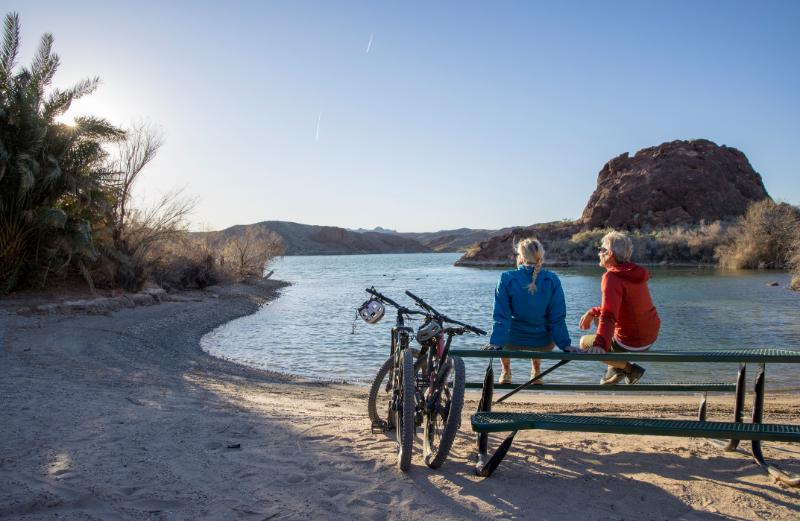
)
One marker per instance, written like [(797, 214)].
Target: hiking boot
[(534, 373), (613, 376), (637, 372), (505, 376)]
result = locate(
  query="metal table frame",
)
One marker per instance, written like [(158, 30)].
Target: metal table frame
[(740, 356)]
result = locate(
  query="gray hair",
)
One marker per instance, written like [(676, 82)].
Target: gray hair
[(532, 253), (620, 244)]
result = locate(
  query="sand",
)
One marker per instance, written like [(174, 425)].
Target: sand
[(121, 416)]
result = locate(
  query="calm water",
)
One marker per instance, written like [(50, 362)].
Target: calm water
[(307, 331)]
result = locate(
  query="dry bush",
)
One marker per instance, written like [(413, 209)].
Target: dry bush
[(151, 234), (763, 238), (191, 262), (795, 262), (473, 249), (686, 243), (250, 250)]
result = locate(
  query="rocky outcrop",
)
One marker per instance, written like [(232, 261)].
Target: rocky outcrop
[(499, 250), (673, 183), (677, 182)]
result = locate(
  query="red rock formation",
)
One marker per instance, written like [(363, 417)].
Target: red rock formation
[(677, 182)]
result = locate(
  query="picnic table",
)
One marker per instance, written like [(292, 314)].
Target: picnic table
[(485, 421)]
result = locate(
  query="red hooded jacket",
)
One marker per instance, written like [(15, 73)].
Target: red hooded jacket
[(627, 311)]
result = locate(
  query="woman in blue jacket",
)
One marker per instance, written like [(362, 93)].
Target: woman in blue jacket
[(529, 309)]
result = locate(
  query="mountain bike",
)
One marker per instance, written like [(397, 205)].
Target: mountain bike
[(430, 391)]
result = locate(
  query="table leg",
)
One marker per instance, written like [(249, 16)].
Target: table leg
[(738, 410), (485, 405), (758, 415)]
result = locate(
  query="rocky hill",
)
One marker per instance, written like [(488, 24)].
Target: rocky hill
[(673, 183), (677, 182), (306, 239)]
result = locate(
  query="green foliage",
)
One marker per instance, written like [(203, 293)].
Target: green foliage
[(53, 187)]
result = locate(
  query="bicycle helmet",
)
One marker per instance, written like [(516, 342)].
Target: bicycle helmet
[(428, 332), (372, 311)]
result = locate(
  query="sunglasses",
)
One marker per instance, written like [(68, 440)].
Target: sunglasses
[(604, 250)]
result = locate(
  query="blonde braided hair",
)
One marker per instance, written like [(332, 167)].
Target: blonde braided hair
[(531, 252)]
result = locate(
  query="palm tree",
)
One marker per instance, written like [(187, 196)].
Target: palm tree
[(54, 188)]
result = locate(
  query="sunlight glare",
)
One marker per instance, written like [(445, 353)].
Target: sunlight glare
[(66, 119)]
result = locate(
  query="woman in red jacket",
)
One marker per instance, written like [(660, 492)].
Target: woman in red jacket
[(628, 321)]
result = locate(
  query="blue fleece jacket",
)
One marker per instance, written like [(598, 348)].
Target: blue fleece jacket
[(525, 319)]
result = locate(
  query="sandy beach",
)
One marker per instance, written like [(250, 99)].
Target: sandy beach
[(120, 415)]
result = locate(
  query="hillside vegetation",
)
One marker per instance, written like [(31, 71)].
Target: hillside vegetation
[(767, 236)]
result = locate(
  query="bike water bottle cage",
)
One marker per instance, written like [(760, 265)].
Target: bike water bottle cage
[(372, 311), (429, 332)]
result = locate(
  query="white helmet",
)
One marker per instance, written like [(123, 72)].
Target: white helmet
[(372, 311)]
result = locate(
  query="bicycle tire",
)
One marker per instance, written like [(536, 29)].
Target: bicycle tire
[(380, 395), (442, 424), (405, 418)]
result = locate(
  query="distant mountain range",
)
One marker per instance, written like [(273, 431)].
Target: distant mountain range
[(309, 239), (376, 230), (443, 240)]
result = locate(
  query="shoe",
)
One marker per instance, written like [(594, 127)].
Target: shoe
[(505, 376), (637, 372), (534, 374), (613, 376)]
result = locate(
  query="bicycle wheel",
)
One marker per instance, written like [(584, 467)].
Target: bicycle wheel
[(442, 423), (380, 395), (404, 417)]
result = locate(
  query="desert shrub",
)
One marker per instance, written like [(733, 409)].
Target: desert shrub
[(763, 238), (473, 249), (681, 243), (795, 262), (250, 250), (191, 262)]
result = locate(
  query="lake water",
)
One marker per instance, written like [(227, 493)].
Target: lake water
[(307, 331)]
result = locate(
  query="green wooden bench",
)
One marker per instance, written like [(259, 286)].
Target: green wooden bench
[(485, 421)]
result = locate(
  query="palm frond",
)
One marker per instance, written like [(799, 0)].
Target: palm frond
[(8, 54), (52, 218), (98, 128)]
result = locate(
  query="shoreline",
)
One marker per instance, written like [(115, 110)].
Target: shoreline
[(582, 264), (122, 415)]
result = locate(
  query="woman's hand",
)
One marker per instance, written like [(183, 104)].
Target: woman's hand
[(587, 319), (595, 350), (491, 347)]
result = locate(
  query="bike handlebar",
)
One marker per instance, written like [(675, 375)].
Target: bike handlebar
[(404, 309), (428, 308)]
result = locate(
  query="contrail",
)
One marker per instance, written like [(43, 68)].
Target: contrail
[(370, 40), (318, 122)]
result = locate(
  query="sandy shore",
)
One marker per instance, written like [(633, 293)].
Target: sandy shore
[(122, 416)]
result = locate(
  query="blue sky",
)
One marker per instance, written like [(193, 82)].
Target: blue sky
[(461, 114)]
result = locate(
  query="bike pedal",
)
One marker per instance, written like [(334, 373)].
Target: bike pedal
[(379, 427)]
